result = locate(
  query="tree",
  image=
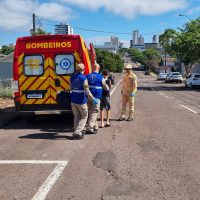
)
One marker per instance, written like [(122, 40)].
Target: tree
[(110, 61), (6, 49), (151, 59), (184, 43), (121, 52), (40, 31), (136, 55)]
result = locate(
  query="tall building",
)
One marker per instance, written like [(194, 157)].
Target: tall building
[(135, 37), (137, 41), (63, 29), (141, 40), (155, 39), (114, 41), (131, 43)]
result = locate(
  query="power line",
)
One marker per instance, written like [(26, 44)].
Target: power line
[(93, 30), (84, 29), (75, 27)]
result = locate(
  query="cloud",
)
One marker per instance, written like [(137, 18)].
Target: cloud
[(16, 14), (129, 8), (54, 11), (193, 10)]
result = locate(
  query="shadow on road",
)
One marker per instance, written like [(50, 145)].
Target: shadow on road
[(56, 123), (46, 136), (145, 88), (171, 87)]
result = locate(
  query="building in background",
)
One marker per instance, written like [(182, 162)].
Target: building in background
[(135, 37), (121, 45), (140, 40), (63, 29), (137, 41), (139, 47), (155, 39), (112, 45), (114, 41), (107, 43), (151, 46), (110, 48)]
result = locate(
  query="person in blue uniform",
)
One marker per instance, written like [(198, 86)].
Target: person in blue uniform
[(79, 93), (96, 83)]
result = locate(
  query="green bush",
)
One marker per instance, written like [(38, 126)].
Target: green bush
[(5, 90)]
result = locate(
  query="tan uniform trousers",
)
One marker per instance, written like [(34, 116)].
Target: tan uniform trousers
[(93, 114), (80, 112), (130, 101)]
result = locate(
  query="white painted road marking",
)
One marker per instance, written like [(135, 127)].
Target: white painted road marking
[(31, 161), (119, 82), (115, 88), (163, 94), (188, 109), (113, 91), (50, 181)]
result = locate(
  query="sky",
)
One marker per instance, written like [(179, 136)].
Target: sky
[(118, 16)]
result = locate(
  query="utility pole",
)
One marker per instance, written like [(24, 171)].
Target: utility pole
[(165, 62), (33, 23)]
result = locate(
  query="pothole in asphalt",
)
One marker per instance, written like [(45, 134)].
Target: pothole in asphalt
[(107, 161), (122, 188), (149, 146)]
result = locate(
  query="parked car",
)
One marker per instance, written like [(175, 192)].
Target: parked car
[(161, 76), (174, 77), (193, 80), (141, 67)]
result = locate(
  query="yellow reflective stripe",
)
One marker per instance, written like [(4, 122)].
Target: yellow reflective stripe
[(20, 59)]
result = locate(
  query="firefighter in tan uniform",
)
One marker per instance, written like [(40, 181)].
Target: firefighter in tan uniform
[(128, 92)]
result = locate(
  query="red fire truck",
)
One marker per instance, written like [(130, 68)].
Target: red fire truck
[(41, 71)]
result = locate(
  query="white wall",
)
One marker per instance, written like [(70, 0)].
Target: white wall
[(6, 71)]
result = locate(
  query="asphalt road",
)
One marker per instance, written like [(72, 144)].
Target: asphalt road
[(154, 157)]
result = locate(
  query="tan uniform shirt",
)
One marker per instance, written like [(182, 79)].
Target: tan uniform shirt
[(129, 84)]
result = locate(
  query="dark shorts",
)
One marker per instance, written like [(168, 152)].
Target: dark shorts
[(105, 103)]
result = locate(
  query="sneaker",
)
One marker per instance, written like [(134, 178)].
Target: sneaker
[(121, 119), (91, 132), (95, 130), (78, 136), (107, 125)]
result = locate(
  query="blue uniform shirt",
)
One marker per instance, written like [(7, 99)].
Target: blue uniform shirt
[(95, 84), (78, 95)]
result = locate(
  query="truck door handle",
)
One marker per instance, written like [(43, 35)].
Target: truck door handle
[(57, 82)]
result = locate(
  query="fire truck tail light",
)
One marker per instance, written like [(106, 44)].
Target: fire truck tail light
[(15, 86)]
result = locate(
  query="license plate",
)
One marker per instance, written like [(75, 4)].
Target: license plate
[(34, 96)]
